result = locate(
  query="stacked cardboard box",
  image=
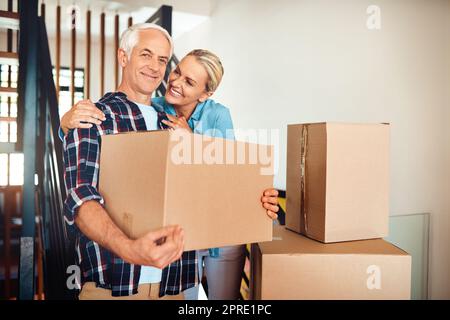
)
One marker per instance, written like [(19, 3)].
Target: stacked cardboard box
[(293, 266), (337, 192), (337, 186)]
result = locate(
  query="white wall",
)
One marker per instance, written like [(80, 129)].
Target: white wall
[(308, 61), (447, 147)]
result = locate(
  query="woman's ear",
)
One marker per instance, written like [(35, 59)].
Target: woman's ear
[(205, 96), (122, 57)]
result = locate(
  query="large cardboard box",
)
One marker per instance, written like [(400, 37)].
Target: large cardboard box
[(295, 267), (337, 186), (210, 187)]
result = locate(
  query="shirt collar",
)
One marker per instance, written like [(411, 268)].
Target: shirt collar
[(196, 115), (157, 106), (116, 94), (121, 94), (198, 111)]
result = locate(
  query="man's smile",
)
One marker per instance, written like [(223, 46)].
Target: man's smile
[(149, 76)]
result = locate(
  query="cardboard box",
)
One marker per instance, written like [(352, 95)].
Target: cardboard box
[(210, 187), (343, 194), (295, 267)]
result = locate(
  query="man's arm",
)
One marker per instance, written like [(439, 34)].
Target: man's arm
[(94, 222)]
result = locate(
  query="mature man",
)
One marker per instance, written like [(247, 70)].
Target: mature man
[(112, 265)]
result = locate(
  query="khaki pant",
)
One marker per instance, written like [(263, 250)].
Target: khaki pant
[(148, 291)]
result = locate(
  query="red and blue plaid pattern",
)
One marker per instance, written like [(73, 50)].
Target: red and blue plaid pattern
[(81, 162)]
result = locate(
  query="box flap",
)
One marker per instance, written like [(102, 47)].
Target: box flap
[(289, 242)]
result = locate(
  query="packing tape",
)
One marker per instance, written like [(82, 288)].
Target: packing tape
[(303, 154)]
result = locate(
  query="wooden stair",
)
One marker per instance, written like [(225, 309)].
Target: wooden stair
[(9, 58), (7, 91), (9, 20)]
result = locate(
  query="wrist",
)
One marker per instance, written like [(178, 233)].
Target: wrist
[(127, 251), (119, 244), (64, 129)]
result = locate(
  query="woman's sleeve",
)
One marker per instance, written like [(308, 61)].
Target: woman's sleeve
[(224, 125)]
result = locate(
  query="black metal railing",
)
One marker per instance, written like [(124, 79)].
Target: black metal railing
[(58, 246), (27, 116), (38, 109)]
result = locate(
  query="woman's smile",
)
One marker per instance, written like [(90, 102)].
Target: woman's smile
[(176, 93)]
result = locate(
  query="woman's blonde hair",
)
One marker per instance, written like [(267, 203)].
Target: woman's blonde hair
[(212, 65)]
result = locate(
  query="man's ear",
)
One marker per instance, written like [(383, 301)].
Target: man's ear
[(122, 57), (205, 96)]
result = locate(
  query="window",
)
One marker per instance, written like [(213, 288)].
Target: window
[(8, 105), (11, 169), (3, 169), (11, 163), (65, 99)]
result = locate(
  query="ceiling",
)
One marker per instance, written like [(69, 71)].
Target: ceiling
[(186, 14), (199, 7)]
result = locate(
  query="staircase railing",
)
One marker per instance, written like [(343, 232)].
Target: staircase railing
[(27, 129), (58, 244), (38, 109)]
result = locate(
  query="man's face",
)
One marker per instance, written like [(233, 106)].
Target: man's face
[(146, 66)]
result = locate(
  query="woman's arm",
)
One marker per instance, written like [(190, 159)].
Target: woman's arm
[(82, 115), (223, 127)]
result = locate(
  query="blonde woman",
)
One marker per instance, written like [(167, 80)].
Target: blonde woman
[(188, 105)]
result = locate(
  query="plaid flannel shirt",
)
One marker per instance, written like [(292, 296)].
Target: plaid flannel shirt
[(81, 162)]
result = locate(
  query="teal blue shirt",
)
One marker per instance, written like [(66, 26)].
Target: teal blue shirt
[(209, 118)]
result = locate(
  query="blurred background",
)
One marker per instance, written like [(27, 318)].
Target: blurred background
[(286, 61)]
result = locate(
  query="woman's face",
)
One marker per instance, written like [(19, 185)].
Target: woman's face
[(187, 83)]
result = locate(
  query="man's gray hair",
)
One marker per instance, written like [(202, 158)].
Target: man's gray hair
[(130, 37)]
